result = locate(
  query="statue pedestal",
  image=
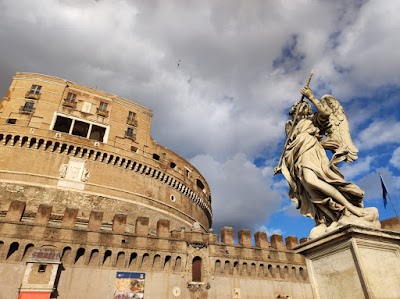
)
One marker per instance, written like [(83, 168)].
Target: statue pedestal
[(354, 262)]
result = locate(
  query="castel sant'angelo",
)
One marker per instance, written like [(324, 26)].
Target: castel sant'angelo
[(92, 207)]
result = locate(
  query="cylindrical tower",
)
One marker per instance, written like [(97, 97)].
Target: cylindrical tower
[(69, 145)]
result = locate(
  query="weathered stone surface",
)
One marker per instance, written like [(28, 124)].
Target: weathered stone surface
[(116, 202), (354, 262)]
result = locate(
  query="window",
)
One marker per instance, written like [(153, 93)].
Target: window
[(35, 89), (11, 121), (200, 184), (71, 97), (69, 101), (42, 268), (97, 133), (102, 110), (103, 106), (34, 92), (132, 118), (156, 157), (130, 133), (196, 269), (79, 128), (28, 107), (62, 124)]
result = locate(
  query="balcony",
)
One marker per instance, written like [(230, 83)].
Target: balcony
[(130, 135), (32, 95), (101, 112), (69, 104), (26, 109), (132, 122)]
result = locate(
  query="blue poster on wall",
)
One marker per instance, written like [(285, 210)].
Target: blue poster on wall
[(129, 285)]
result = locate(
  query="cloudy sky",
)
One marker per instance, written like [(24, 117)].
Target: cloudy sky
[(221, 76)]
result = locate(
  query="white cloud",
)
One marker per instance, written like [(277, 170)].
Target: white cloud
[(378, 133), (395, 160), (371, 184), (242, 197), (356, 168), (242, 65), (270, 230)]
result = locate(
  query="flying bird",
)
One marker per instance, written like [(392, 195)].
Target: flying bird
[(179, 62)]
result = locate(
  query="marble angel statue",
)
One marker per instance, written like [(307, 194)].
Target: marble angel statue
[(316, 184)]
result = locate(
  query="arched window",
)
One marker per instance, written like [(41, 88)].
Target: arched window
[(13, 248), (28, 251), (178, 264), (107, 258), (132, 260), (294, 272), (261, 272), (244, 269), (271, 272), (145, 261), (217, 266), (278, 271), (66, 254), (196, 269), (226, 267), (285, 271), (120, 259), (303, 273), (253, 269), (79, 256), (235, 267), (156, 262), (94, 258), (167, 262)]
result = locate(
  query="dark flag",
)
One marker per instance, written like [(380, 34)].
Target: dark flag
[(384, 192)]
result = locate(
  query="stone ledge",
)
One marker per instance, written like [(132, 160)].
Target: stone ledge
[(347, 232)]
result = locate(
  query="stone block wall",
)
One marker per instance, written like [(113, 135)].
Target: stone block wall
[(90, 243)]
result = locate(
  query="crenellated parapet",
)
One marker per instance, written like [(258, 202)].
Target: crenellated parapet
[(93, 243)]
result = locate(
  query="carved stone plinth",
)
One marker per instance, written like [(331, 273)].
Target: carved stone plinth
[(354, 262)]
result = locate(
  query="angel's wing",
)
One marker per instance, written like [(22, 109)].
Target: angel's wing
[(338, 138)]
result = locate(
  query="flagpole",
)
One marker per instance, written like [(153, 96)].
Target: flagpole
[(391, 202)]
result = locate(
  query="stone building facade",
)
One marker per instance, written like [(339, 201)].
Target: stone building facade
[(92, 207)]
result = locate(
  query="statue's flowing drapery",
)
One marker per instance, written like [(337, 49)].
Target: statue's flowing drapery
[(305, 151)]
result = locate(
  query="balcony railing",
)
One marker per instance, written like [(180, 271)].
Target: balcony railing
[(26, 109), (130, 135), (32, 95), (132, 122), (103, 113), (69, 104)]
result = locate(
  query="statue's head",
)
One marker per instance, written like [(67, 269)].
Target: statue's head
[(331, 102), (304, 108)]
